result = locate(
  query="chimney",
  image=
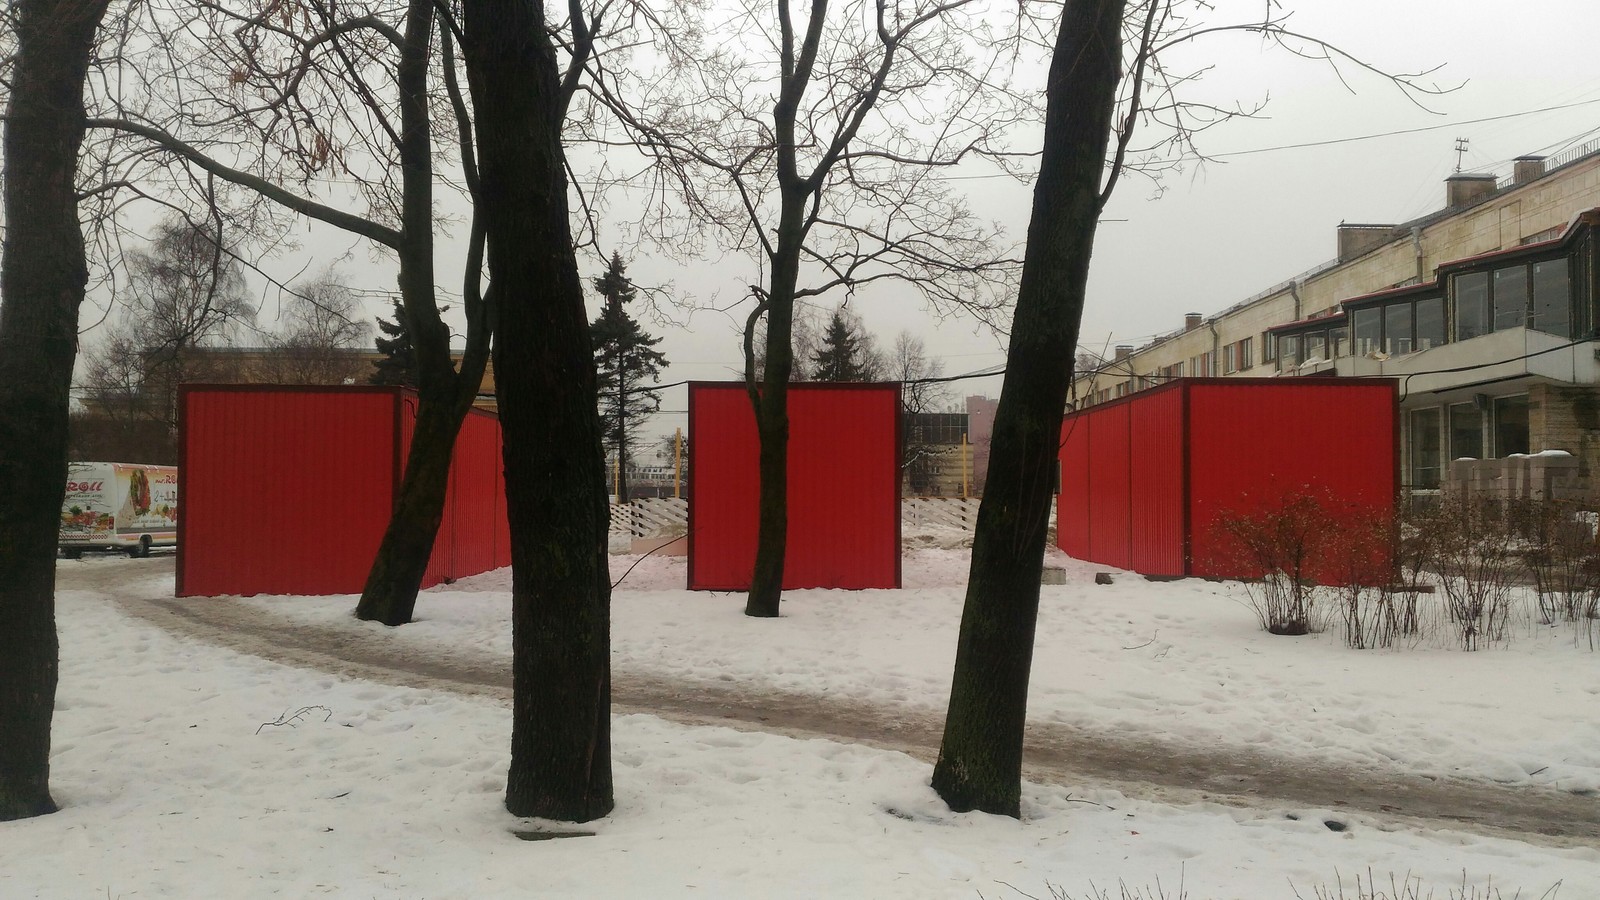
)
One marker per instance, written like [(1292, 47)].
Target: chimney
[(1463, 190), (1526, 169), (1123, 352), (1191, 321), (1355, 240)]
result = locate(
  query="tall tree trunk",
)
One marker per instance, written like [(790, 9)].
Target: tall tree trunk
[(444, 396), (42, 284), (555, 466), (980, 758), (771, 405)]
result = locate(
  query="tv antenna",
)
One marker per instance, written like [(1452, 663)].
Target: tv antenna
[(1461, 151)]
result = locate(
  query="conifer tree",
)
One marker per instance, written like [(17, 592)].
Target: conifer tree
[(625, 358), (847, 352), (399, 362)]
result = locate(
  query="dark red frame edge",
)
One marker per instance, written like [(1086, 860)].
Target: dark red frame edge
[(183, 488), (1184, 489), (899, 483), (694, 483)]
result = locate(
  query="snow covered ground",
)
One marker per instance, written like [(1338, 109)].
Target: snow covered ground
[(171, 787)]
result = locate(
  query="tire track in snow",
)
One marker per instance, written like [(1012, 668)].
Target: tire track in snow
[(1156, 771)]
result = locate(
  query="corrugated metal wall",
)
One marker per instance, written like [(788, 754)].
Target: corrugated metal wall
[(287, 490), (283, 491), (1111, 487), (844, 486), (1146, 479), (1072, 507), (1155, 448), (1252, 444)]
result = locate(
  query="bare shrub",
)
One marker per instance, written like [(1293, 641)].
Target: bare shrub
[(1478, 564), (1561, 557), (1305, 551)]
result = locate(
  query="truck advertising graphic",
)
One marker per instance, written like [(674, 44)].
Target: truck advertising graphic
[(119, 506)]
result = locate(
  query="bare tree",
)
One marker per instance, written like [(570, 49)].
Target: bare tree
[(42, 287), (319, 339), (1098, 46), (829, 187), (921, 393), (309, 92), (184, 292)]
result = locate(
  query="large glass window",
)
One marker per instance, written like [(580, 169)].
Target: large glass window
[(1317, 345), (1426, 439), (1397, 328), (1466, 431), (1288, 351), (1430, 323), (1368, 330), (1510, 425), (1472, 305), (1339, 341), (1510, 297), (1552, 298)]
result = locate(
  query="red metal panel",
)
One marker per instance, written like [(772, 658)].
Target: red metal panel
[(844, 487), (1110, 486), (1156, 495), (473, 508), (1072, 506), (1255, 441), (285, 491)]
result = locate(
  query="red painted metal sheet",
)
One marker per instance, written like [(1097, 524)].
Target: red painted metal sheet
[(1157, 484), (476, 463), (331, 456), (1072, 506), (844, 487), (1254, 442), (284, 491), (1111, 486)]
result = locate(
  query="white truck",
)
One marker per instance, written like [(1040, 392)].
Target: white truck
[(119, 506)]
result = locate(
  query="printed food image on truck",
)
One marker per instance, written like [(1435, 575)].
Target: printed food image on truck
[(119, 506)]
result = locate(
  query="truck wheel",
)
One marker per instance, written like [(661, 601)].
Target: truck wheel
[(72, 552), (141, 551)]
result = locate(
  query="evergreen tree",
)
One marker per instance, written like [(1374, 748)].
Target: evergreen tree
[(847, 353), (399, 362), (624, 359)]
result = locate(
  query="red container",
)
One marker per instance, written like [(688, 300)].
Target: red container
[(287, 490), (1147, 479), (844, 487)]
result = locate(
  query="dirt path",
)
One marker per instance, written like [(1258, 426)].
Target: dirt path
[(1055, 754)]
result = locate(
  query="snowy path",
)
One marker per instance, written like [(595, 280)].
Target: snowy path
[(1055, 754)]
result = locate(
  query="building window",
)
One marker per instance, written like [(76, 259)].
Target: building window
[(1368, 330), (1245, 360), (1316, 345), (1269, 347), (1430, 323), (1122, 389), (1425, 438), (1201, 365), (1472, 305), (1510, 297), (1466, 431), (1397, 329), (1339, 341), (1510, 425), (1552, 298)]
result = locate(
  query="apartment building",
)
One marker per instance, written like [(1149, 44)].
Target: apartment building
[(1485, 311)]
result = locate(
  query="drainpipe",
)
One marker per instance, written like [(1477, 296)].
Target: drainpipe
[(1294, 291), (1216, 347), (1416, 248)]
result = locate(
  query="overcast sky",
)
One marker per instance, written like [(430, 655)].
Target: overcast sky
[(1258, 215)]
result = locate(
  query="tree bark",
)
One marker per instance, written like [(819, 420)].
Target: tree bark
[(980, 758), (444, 396), (555, 466), (43, 286), (771, 406)]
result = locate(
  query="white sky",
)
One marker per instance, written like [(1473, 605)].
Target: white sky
[(1232, 228)]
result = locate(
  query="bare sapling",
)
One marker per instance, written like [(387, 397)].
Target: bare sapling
[(1478, 567)]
